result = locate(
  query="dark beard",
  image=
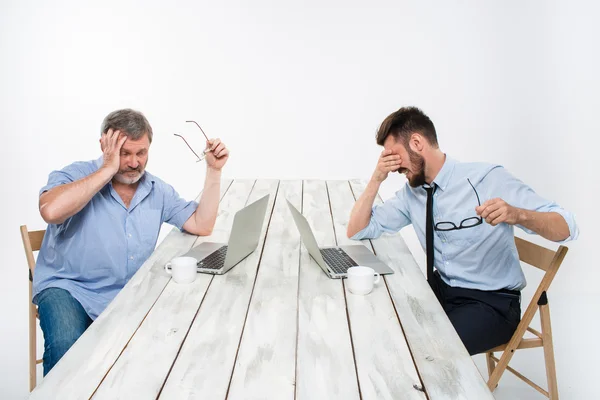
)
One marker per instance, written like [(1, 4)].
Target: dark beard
[(418, 163)]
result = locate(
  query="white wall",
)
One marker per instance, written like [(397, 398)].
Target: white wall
[(298, 90)]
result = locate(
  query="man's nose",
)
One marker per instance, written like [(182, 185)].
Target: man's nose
[(133, 162)]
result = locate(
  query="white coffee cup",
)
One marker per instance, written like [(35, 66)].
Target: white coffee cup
[(183, 269), (361, 279)]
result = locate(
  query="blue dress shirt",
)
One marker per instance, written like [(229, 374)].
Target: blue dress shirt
[(94, 253), (482, 257)]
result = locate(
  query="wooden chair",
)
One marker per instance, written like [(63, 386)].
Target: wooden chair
[(32, 241), (549, 261)]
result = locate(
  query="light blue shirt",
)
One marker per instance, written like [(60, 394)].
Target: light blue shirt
[(94, 253), (482, 257)]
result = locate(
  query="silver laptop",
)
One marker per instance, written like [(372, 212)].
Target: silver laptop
[(218, 258), (335, 261)]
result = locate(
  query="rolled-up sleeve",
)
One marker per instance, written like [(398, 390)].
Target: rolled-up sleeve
[(389, 217), (68, 174), (175, 209), (518, 194)]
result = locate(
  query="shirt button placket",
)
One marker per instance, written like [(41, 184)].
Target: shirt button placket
[(128, 235)]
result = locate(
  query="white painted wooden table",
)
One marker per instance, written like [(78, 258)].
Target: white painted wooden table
[(275, 326)]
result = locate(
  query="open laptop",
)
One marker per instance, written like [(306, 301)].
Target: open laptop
[(218, 258), (335, 261)]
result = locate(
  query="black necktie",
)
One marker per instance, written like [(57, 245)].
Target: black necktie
[(429, 232)]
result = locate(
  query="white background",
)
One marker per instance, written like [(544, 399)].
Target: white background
[(297, 90)]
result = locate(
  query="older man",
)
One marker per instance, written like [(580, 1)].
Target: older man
[(104, 217)]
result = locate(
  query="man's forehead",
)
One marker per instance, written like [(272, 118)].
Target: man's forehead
[(390, 143), (136, 145)]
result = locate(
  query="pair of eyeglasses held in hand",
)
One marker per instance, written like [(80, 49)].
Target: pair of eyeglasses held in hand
[(190, 147), (466, 223)]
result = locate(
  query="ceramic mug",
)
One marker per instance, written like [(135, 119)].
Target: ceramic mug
[(182, 269), (362, 279)]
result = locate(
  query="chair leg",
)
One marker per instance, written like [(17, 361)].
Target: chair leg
[(548, 352), (32, 346), (491, 364)]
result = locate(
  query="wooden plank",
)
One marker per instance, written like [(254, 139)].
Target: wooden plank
[(82, 368), (549, 351), (266, 363), (325, 363), (35, 239), (525, 379), (144, 365), (491, 364), (533, 254), (204, 365), (445, 367), (528, 343), (32, 241), (536, 333), (384, 363)]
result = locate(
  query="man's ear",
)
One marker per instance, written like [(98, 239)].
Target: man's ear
[(416, 142)]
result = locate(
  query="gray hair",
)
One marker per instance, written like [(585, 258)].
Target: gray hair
[(132, 123)]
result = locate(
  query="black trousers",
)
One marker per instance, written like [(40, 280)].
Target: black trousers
[(482, 319)]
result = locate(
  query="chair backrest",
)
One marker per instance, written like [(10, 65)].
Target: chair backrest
[(32, 241), (542, 258), (534, 255)]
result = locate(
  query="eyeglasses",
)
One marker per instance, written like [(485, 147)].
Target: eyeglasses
[(465, 223), (190, 147)]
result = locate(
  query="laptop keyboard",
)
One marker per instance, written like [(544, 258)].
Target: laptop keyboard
[(214, 260), (338, 260)]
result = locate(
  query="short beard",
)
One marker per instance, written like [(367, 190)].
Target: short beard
[(418, 163), (122, 178)]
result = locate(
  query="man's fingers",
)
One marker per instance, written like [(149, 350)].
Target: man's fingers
[(214, 144), (392, 157), (222, 153), (480, 209), (487, 210), (492, 201), (218, 150), (497, 219), (493, 216), (121, 142), (115, 143), (484, 210), (113, 139)]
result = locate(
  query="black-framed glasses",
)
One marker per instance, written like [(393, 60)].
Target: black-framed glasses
[(465, 223), (190, 147)]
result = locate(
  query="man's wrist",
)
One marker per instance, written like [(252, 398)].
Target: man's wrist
[(522, 216), (213, 173), (375, 180), (106, 173)]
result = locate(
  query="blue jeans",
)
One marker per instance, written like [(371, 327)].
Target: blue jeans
[(62, 320)]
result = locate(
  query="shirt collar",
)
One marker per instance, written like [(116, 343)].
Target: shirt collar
[(443, 177), (147, 180), (144, 188)]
